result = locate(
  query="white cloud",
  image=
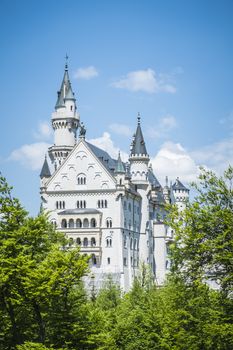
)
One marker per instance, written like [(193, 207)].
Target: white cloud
[(31, 156), (86, 73), (44, 131), (120, 129), (173, 160), (105, 142), (217, 156), (163, 127), (145, 80)]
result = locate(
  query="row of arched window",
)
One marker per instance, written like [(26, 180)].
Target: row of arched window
[(81, 204), (85, 242), (102, 203), (133, 243), (60, 205), (78, 223)]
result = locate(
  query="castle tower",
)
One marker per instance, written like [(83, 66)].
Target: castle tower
[(65, 121), (139, 157), (139, 160), (181, 194)]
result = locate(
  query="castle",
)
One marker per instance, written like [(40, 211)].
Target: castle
[(113, 210)]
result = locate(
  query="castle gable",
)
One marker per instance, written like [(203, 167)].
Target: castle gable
[(83, 170)]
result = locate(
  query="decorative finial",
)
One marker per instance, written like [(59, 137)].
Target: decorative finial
[(66, 58), (139, 118), (82, 131)]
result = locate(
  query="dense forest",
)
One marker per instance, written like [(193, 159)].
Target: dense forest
[(44, 306)]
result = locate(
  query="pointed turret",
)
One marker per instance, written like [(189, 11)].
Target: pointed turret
[(65, 92), (138, 144), (45, 172), (65, 122), (120, 169), (139, 157)]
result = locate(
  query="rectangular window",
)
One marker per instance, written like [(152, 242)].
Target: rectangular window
[(108, 259), (125, 261)]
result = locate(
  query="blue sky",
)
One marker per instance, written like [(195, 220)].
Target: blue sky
[(169, 60)]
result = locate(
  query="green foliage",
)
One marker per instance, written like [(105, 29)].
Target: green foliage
[(203, 247), (37, 277), (43, 304)]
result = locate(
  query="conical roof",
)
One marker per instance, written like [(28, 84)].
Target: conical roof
[(138, 145), (120, 169), (65, 91), (45, 172), (178, 185)]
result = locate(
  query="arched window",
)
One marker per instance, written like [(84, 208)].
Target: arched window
[(84, 204), (63, 205), (78, 223), (131, 243), (135, 245), (85, 242), (71, 242), (57, 206), (98, 203), (102, 204), (71, 223), (105, 204), (85, 223), (64, 223), (93, 242), (93, 259), (108, 242), (77, 204), (93, 222), (54, 223), (109, 222), (125, 242), (81, 179), (78, 241)]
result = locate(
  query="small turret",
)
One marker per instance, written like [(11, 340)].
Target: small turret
[(139, 157), (45, 172), (120, 171), (166, 191), (181, 194)]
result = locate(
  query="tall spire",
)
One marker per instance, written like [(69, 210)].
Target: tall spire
[(65, 92), (138, 146), (120, 169)]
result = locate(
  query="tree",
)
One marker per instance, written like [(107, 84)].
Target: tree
[(203, 248), (37, 277)]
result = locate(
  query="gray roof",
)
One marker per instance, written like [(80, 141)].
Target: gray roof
[(104, 157), (138, 146), (45, 172), (79, 211), (179, 186), (65, 91), (120, 169), (152, 178)]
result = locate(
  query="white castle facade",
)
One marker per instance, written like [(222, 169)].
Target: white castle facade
[(113, 210)]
